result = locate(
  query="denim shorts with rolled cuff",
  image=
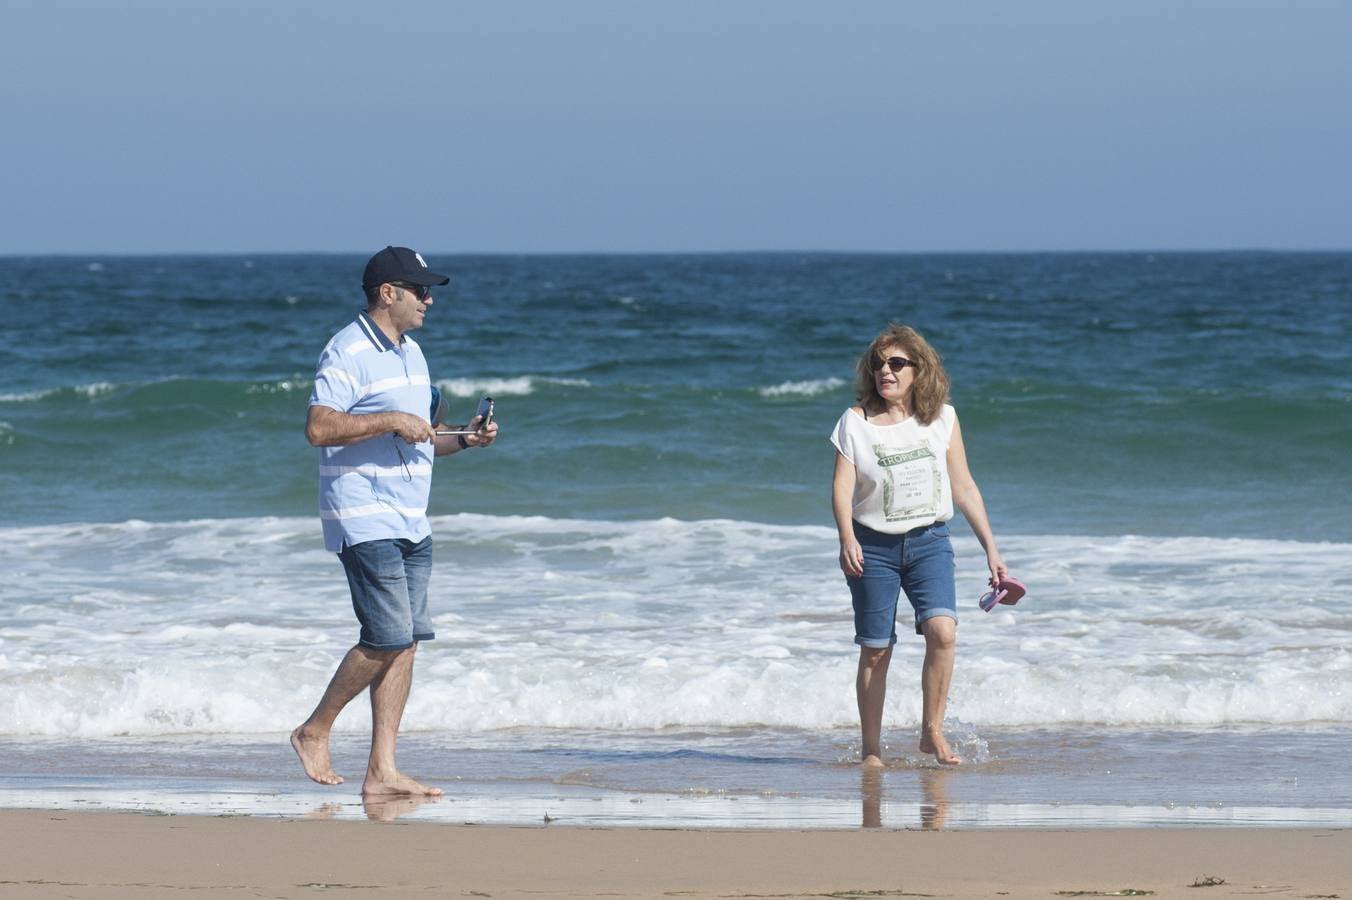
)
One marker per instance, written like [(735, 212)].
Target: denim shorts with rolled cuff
[(389, 579), (919, 562)]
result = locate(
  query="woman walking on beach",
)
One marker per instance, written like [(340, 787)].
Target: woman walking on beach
[(900, 470)]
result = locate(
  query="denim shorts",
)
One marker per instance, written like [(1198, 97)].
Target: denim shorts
[(920, 562), (389, 579)]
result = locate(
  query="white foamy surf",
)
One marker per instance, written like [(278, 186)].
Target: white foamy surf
[(520, 386), (802, 388), (91, 391), (234, 626)]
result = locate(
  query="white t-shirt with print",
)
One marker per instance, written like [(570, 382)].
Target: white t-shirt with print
[(901, 470)]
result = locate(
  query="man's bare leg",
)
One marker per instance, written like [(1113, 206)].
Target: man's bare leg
[(389, 694), (870, 688), (935, 677), (358, 669)]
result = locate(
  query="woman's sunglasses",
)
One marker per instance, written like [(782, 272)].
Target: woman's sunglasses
[(895, 363)]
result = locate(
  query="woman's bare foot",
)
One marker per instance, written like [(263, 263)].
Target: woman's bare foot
[(314, 756), (932, 741), (872, 762), (395, 784)]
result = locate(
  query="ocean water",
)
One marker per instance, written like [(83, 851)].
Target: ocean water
[(639, 615)]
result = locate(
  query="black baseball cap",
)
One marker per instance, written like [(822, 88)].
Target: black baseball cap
[(399, 264)]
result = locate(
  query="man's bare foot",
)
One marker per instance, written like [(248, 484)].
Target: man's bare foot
[(872, 762), (932, 741), (395, 784), (314, 756)]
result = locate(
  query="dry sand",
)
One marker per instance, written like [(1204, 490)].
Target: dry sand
[(57, 853)]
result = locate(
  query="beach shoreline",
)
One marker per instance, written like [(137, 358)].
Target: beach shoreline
[(62, 853), (736, 778)]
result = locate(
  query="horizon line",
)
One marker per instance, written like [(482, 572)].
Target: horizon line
[(781, 252)]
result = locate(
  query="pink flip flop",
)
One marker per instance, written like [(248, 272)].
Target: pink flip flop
[(1009, 591)]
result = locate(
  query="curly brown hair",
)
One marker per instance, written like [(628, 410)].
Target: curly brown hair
[(929, 391)]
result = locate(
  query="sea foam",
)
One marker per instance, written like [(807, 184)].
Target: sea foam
[(235, 625), (90, 391), (503, 387), (802, 388)]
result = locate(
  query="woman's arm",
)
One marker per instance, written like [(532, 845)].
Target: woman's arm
[(967, 498), (842, 506)]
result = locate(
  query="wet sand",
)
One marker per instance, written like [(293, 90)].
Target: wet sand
[(59, 853)]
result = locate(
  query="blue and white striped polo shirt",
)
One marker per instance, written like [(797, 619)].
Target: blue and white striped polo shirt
[(376, 488)]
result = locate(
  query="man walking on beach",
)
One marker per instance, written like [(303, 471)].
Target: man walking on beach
[(369, 417)]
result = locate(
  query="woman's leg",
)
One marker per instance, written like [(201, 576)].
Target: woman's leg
[(935, 677), (927, 578), (870, 687), (874, 595)]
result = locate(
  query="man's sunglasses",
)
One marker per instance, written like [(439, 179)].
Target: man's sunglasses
[(895, 363), (420, 291)]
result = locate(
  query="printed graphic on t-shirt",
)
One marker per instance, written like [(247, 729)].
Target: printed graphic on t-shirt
[(911, 482)]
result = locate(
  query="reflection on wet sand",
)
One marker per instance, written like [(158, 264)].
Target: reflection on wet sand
[(387, 809), (871, 793), (933, 809), (325, 811)]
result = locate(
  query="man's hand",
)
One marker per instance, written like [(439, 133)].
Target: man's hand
[(414, 429), (481, 437)]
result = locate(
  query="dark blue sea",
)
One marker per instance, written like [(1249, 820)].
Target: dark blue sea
[(635, 589)]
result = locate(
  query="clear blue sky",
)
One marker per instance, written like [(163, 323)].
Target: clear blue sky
[(625, 125)]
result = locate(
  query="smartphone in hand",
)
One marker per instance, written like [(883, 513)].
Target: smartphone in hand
[(484, 412)]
